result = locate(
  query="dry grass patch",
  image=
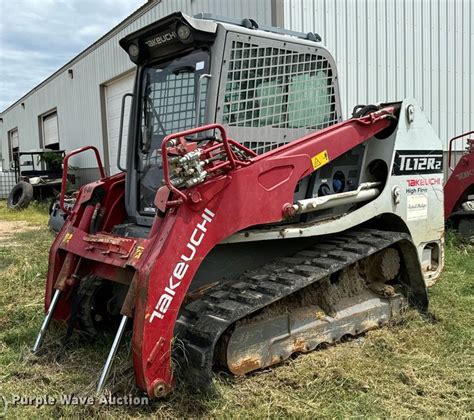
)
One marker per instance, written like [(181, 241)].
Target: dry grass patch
[(35, 214), (421, 367)]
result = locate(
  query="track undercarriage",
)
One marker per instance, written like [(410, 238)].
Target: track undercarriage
[(334, 290), (328, 292)]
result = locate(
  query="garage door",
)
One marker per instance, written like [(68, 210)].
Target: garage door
[(14, 142), (113, 95), (50, 130)]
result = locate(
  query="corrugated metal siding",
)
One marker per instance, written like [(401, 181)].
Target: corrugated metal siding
[(78, 101), (385, 50), (393, 49)]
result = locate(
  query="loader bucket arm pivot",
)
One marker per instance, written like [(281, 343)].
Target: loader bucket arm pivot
[(242, 193)]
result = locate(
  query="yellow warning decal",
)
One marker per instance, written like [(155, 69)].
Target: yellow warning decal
[(67, 237), (138, 252), (320, 159)]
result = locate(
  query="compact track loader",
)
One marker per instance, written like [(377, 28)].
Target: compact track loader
[(459, 188), (250, 221)]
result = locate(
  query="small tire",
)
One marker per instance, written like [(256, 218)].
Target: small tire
[(20, 196)]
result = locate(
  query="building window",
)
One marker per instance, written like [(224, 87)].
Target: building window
[(13, 143), (50, 131)]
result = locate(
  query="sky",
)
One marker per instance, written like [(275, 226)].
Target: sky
[(37, 37)]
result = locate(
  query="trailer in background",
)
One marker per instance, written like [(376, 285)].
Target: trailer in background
[(38, 176)]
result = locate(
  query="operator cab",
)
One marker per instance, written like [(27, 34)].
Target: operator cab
[(267, 86)]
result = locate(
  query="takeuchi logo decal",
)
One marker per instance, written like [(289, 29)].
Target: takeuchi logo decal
[(161, 39), (421, 182), (464, 175), (182, 266)]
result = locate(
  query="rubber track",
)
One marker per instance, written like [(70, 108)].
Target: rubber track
[(203, 321)]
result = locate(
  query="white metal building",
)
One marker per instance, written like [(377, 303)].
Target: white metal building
[(390, 49), (80, 103), (385, 50)]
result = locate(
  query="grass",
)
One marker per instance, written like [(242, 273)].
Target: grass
[(423, 367), (36, 213)]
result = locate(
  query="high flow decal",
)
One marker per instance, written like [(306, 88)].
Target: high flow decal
[(420, 185), (409, 162), (182, 266)]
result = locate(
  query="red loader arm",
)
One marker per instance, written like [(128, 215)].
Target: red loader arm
[(240, 195)]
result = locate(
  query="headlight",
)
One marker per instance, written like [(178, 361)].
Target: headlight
[(133, 51), (183, 32)]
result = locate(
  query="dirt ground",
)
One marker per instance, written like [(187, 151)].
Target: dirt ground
[(10, 228), (422, 367)]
